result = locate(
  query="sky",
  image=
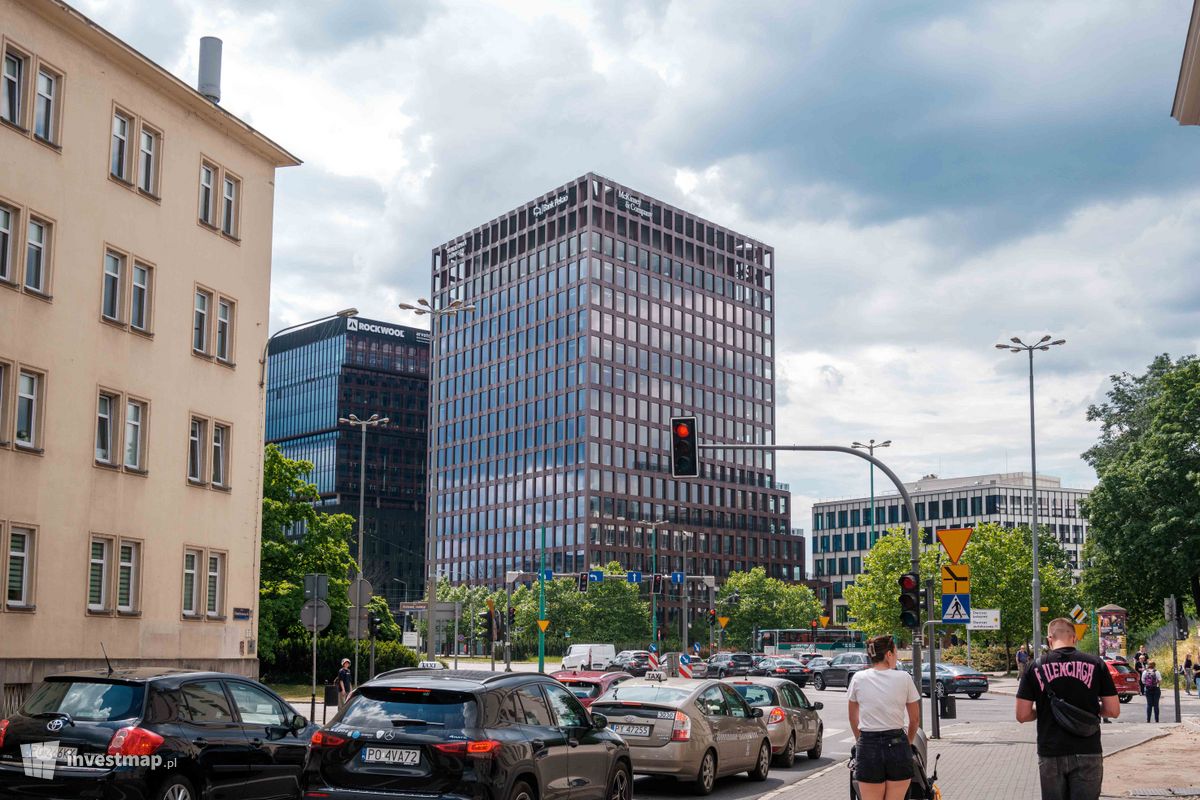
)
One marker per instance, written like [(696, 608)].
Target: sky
[(935, 177)]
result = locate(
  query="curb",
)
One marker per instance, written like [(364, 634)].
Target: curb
[(805, 779), (1139, 744)]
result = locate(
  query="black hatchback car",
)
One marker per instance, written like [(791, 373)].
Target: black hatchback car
[(458, 734), (152, 734)]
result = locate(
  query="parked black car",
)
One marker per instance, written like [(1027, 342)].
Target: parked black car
[(201, 734), (840, 670), (462, 734), (725, 664), (780, 667), (637, 664)]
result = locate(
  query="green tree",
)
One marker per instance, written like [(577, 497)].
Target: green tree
[(1145, 510), (872, 599), (764, 603), (613, 610)]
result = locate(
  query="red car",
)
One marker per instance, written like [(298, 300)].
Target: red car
[(588, 685), (1125, 678)]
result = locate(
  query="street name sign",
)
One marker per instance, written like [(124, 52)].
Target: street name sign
[(984, 619), (954, 541), (956, 609)]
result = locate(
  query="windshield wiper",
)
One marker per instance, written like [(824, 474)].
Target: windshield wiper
[(406, 721)]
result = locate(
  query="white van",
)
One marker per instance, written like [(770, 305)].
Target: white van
[(589, 656)]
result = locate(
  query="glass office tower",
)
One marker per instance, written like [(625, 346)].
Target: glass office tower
[(600, 313), (361, 367)]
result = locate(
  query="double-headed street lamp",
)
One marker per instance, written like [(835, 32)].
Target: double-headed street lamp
[(424, 307), (1017, 346), (870, 448)]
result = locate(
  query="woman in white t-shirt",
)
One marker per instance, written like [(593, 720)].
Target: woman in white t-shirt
[(884, 709)]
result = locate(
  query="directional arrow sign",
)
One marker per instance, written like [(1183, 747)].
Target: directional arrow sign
[(548, 574), (678, 578), (723, 621), (954, 541), (824, 620), (633, 576), (956, 609), (956, 579), (543, 624), (596, 576)]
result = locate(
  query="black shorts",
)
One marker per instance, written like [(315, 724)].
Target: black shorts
[(883, 756)]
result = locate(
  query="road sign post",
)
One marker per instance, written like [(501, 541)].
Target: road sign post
[(315, 616)]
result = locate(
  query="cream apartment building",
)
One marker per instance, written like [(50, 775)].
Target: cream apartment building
[(135, 265)]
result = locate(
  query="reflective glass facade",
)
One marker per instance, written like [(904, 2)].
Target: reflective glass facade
[(600, 313), (361, 367)]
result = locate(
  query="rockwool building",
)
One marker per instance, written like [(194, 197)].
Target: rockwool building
[(600, 312), (135, 271)]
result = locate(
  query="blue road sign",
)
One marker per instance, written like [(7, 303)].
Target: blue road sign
[(678, 578), (633, 576), (652, 649), (685, 659), (956, 609), (548, 574), (696, 646), (596, 576)]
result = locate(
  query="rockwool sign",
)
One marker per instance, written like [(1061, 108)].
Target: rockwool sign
[(366, 326)]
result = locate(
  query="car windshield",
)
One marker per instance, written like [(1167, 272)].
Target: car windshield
[(644, 694), (581, 689), (87, 701), (1122, 669), (387, 707), (756, 695), (742, 658), (787, 662)]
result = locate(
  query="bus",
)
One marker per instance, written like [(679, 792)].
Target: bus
[(794, 641)]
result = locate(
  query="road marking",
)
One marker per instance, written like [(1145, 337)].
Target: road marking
[(834, 731), (848, 740)]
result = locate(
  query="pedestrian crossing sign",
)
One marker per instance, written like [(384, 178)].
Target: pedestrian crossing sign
[(956, 609)]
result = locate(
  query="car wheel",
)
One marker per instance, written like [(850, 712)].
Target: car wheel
[(620, 787), (762, 767), (706, 776), (815, 752), (819, 683), (974, 695), (788, 757), (520, 791), (941, 690), (1125, 698), (176, 787)]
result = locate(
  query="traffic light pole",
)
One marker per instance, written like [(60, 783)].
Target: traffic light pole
[(542, 606), (908, 504)]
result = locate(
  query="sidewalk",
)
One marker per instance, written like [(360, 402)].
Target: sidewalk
[(996, 762)]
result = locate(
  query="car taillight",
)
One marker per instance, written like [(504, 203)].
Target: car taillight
[(485, 748), (775, 717), (325, 739), (3, 728), (681, 729), (134, 742)]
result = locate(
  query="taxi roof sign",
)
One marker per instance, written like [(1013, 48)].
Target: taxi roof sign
[(430, 665)]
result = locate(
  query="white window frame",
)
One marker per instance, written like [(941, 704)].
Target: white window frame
[(220, 455), (201, 321), (118, 152), (207, 193), (34, 400), (41, 246), (214, 584), (197, 559), (112, 289), (104, 562), (132, 565), (224, 333), (12, 86), (197, 444), (230, 191), (26, 556), (146, 289), (45, 106), (7, 215), (106, 418), (135, 434), (148, 159)]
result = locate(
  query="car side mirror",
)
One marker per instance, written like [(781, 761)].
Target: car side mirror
[(297, 723), (817, 706), (599, 721), (756, 713)]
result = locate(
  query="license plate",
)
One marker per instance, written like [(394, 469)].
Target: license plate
[(391, 755), (632, 730)]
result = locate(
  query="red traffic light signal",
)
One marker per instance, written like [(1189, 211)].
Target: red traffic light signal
[(685, 461), (583, 581), (656, 585), (910, 600), (683, 429)]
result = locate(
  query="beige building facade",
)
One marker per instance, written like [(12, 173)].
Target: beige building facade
[(135, 260)]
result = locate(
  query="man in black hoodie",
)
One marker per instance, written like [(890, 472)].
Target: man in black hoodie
[(1071, 766)]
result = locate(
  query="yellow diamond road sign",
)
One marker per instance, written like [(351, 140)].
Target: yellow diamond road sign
[(723, 621), (956, 579), (954, 541), (824, 621), (543, 624)]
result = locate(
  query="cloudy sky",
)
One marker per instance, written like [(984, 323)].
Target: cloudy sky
[(935, 177)]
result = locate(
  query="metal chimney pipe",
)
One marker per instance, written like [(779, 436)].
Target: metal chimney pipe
[(209, 83)]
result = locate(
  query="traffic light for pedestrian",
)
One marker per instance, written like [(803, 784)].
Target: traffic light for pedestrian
[(656, 584), (489, 625), (910, 600), (685, 462), (583, 581)]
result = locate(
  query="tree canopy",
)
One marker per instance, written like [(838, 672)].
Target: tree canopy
[(763, 603)]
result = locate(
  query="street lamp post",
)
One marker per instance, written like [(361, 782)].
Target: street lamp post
[(373, 422), (870, 447), (436, 314), (1017, 346), (262, 362)]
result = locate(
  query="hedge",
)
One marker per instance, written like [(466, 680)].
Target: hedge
[(291, 662)]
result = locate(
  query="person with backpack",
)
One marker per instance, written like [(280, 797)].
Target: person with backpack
[(1152, 688)]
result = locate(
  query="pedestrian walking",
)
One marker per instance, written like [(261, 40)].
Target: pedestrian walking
[(343, 682), (1139, 665), (1068, 692), (1152, 688), (1189, 672), (884, 709), (1022, 661)]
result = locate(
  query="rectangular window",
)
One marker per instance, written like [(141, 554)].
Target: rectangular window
[(127, 576), (105, 411), (224, 329), (20, 560), (135, 437), (200, 321), (229, 198), (114, 279), (214, 585), (220, 455), (36, 256), (148, 161), (29, 392), (119, 151), (191, 567), (14, 78), (208, 176), (6, 239), (139, 305), (98, 575), (196, 451), (45, 111)]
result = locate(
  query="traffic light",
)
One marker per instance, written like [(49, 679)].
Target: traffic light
[(656, 584), (512, 616), (583, 581), (712, 617), (1181, 621), (910, 600), (373, 625), (685, 461), (489, 625)]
